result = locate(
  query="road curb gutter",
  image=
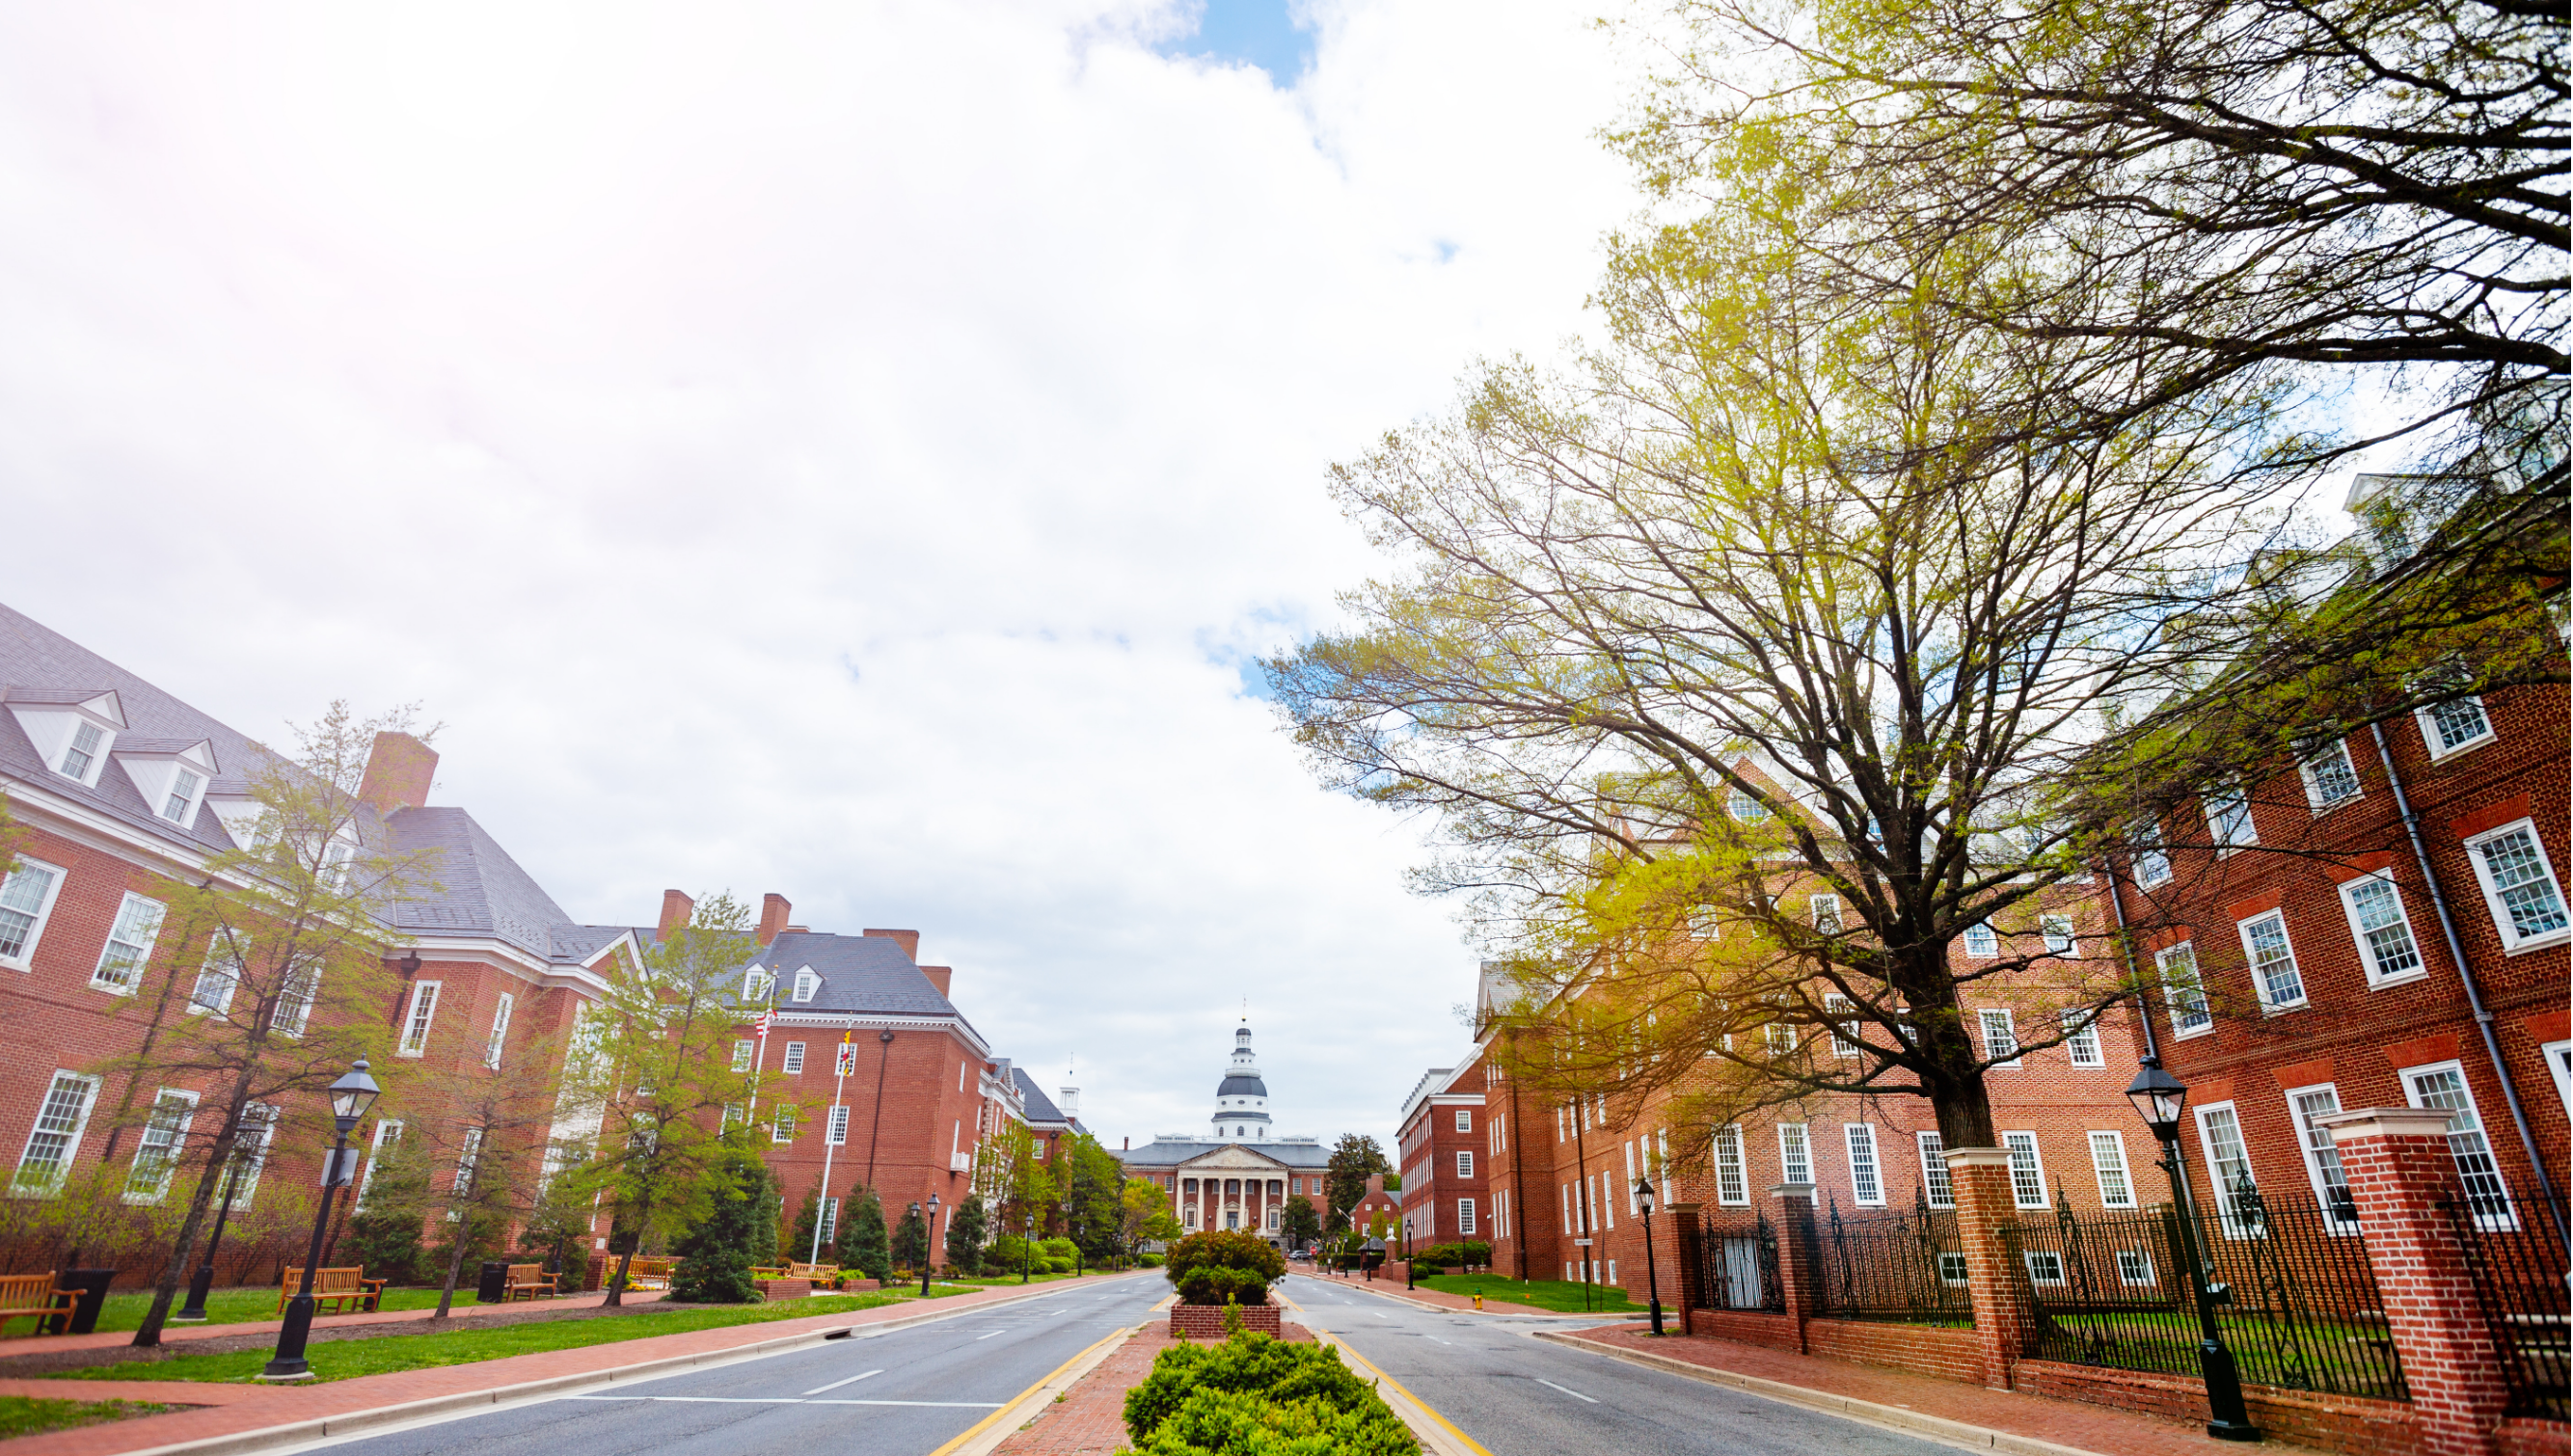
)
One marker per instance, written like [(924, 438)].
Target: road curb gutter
[(985, 1435), (1869, 1413), (321, 1428)]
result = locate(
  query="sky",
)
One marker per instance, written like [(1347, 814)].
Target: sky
[(849, 451)]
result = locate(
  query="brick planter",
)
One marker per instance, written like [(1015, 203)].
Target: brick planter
[(860, 1286), (1205, 1321), (777, 1290)]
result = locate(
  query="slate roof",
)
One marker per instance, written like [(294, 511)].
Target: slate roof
[(482, 891), (1162, 1153), (865, 975), (1242, 1087)]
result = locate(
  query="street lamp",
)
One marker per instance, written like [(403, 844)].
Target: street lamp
[(2161, 1100), (1652, 1278), (351, 1095), (928, 1244)]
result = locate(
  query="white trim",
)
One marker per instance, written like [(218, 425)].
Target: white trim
[(2559, 1064), (1728, 1140), (420, 1017), (2350, 892), (217, 981), (2081, 1047), (1982, 931), (2192, 987), (2478, 1169), (143, 937), (85, 1088), (2217, 1179), (2305, 774), (499, 1039), (1985, 1019), (1933, 1170), (2512, 941), (1859, 1140), (1801, 1151), (169, 1147), (2234, 799), (2260, 987), (2312, 1143), (2433, 738), (2113, 1143), (2070, 934), (34, 936), (2017, 1144)]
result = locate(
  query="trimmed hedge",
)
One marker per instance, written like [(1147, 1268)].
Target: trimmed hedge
[(1257, 1396), (1470, 1253), (1222, 1266)]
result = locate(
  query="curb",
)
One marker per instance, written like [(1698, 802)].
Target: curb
[(1891, 1417), (1437, 1433), (987, 1436), (317, 1428), (1521, 1313)]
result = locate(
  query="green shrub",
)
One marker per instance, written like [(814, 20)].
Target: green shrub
[(1149, 1261), (1471, 1253), (1059, 1248), (1060, 1266), (1215, 1284), (1007, 1255), (1256, 1396), (1234, 1263)]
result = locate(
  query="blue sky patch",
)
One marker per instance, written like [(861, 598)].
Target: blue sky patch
[(1261, 32)]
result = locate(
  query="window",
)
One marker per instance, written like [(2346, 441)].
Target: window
[(1982, 943), (2228, 820), (1464, 1215), (2027, 1174), (839, 1126), (26, 897), (2108, 1165), (294, 1000), (2135, 1267), (2519, 885), (499, 1030), (129, 946), (155, 1155), (2228, 1166), (794, 1056), (1952, 1266), (742, 1055), (1781, 1038), (1703, 923), (250, 1151), (2323, 1156), (423, 1010), (2559, 1060), (183, 797), (2444, 1086), (2081, 1037), (1935, 1182), (55, 1139), (1795, 1156), (1827, 913), (1746, 808), (2330, 779), (1731, 1186), (2057, 930), (2151, 861), (2045, 1265), (783, 1130), (81, 754), (2457, 724), (1464, 1164), (1866, 1185), (2274, 961), (389, 1130), (2001, 1038), (828, 1231), (755, 983), (2182, 993), (2383, 931), (226, 958), (806, 983), (1464, 1119), (467, 1158), (1844, 1026)]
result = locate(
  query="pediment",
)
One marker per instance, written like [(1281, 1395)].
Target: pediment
[(1232, 1156)]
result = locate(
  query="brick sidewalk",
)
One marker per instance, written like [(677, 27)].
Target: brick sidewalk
[(233, 1410), (2062, 1422), (175, 1333)]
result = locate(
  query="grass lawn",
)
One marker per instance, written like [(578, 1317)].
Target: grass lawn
[(124, 1308), (985, 1281), (25, 1416), (1559, 1295), (471, 1342)]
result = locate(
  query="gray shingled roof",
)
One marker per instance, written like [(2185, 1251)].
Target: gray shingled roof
[(864, 975), (482, 891), (1162, 1153), (1040, 1107)]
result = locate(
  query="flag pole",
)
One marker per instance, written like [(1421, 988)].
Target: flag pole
[(830, 1142)]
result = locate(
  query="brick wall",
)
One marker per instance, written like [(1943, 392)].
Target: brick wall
[(2341, 1423), (1950, 1354), (1205, 1321)]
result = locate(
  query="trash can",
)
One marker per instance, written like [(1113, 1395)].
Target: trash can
[(495, 1287), (92, 1284)]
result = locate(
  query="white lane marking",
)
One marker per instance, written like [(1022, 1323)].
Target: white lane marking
[(1434, 1337), (1575, 1394), (981, 1337), (836, 1384), (959, 1404)]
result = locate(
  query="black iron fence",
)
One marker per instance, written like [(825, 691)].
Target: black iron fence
[(1908, 1267), (1737, 1268), (2295, 1299), (2520, 1281)]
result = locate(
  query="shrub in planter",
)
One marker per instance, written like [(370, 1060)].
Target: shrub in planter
[(1215, 1284), (1257, 1394), (1234, 1264)]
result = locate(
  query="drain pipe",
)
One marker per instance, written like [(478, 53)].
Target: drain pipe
[(2474, 991)]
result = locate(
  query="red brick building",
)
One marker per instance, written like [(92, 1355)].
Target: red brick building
[(1440, 1149)]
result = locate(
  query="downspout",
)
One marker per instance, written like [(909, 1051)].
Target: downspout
[(2474, 991), (1519, 1183)]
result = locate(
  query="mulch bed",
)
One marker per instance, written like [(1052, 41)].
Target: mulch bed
[(22, 1367)]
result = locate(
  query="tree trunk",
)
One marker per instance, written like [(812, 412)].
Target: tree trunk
[(218, 1161), (454, 1263), (626, 1260)]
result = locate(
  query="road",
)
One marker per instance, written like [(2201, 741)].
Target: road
[(902, 1393), (1526, 1397)]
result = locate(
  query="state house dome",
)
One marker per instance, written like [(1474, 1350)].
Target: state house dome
[(1242, 1099)]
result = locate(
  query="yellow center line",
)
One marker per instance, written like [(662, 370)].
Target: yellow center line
[(1023, 1397), (1425, 1407)]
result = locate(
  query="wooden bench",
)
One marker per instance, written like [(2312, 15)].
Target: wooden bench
[(527, 1281), (33, 1296), (818, 1274), (333, 1287), (643, 1273)]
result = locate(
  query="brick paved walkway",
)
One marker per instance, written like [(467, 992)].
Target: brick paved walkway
[(228, 1410), (2063, 1422), (175, 1333)]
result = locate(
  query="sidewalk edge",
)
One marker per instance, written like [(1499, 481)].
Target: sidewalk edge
[(1869, 1413)]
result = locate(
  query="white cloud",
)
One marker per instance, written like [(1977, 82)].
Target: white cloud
[(840, 450)]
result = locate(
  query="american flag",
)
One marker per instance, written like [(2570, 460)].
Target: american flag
[(761, 1026)]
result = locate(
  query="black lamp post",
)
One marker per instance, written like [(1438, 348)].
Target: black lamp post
[(928, 1244), (1652, 1278), (2161, 1100), (351, 1095), (1027, 1243)]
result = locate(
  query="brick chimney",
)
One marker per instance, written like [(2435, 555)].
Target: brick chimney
[(676, 908), (398, 773), (773, 911), (908, 940), (939, 975)]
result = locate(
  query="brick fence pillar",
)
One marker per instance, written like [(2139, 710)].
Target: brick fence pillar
[(2003, 1321), (1680, 1282), (1796, 1258), (2399, 1169)]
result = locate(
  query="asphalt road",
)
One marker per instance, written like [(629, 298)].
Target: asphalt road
[(902, 1393), (1526, 1397)]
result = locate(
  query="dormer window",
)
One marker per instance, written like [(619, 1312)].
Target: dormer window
[(807, 983), (183, 797), (81, 755), (73, 731)]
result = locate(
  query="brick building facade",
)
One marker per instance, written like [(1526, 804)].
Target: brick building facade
[(1439, 1148)]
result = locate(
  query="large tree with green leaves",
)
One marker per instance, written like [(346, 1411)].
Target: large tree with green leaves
[(1354, 1158)]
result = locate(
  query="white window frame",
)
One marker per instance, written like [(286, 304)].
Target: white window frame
[(793, 1062), (250, 1145), (1730, 1168), (2035, 1182), (2310, 1142), (389, 1130), (185, 785), (2231, 806), (63, 1082), (2220, 1182), (468, 1160), (2349, 892), (1794, 1150), (2139, 1275), (1464, 1119), (101, 743), (2038, 1261), (172, 1132), (755, 985), (137, 931), (837, 1134), (2185, 999), (1464, 1164), (2060, 928), (1865, 1169), (294, 1008), (501, 1012), (2252, 961), (807, 983), (2305, 773), (218, 984), (2560, 1064), (1465, 1217), (2081, 1037), (2149, 856), (1981, 940), (2433, 738), (742, 1051), (1938, 1184), (1826, 910), (1987, 1017), (1745, 808), (2468, 1176), (2512, 941), (26, 956), (1844, 1035), (420, 1017), (2108, 1161), (781, 1129)]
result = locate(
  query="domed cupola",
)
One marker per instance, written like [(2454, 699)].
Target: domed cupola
[(1242, 1099)]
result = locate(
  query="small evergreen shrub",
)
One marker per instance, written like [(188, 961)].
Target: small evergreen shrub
[(1257, 1396), (1222, 1265)]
